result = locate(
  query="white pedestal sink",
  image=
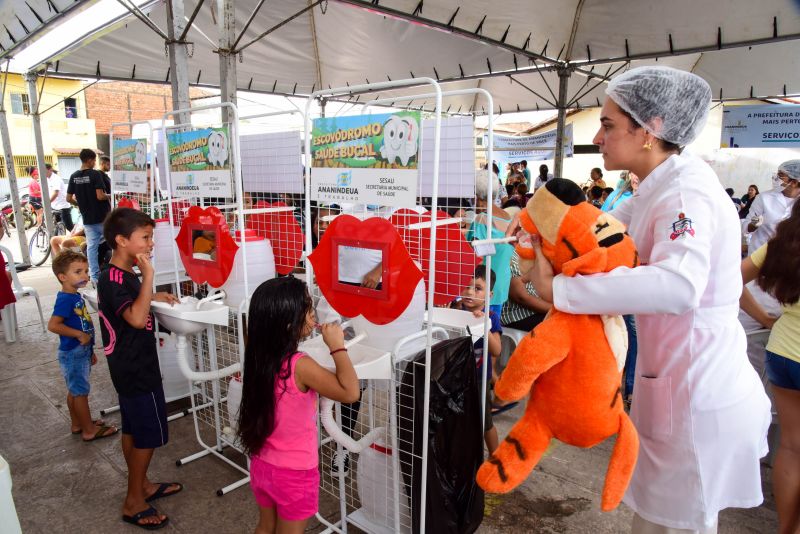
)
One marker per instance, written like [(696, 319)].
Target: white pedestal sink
[(189, 317), (368, 362)]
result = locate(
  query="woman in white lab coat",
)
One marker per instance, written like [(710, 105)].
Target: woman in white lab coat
[(698, 405)]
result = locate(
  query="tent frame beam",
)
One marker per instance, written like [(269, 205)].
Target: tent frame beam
[(79, 91), (247, 24), (687, 51), (21, 43), (476, 36), (136, 12), (279, 25), (191, 20)]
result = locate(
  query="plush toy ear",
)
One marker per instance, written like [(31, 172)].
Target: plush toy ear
[(594, 261)]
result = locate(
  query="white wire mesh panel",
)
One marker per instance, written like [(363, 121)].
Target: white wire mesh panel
[(376, 493), (214, 349), (271, 163)]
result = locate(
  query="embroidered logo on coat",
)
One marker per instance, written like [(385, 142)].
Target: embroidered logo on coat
[(682, 226)]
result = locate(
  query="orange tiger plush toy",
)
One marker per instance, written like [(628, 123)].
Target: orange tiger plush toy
[(570, 364)]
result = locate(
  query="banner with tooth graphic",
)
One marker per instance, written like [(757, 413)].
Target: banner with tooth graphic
[(129, 165), (200, 163), (366, 159)]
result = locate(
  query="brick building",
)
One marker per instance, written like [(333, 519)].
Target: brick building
[(110, 102)]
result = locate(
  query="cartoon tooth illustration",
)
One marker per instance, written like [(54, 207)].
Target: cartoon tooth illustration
[(400, 139), (140, 158), (217, 148)]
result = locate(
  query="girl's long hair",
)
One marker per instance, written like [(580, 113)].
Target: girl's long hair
[(276, 318), (780, 274)]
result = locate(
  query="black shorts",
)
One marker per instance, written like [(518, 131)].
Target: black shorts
[(35, 202), (145, 418)]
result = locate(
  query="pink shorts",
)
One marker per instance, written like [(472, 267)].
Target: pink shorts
[(293, 493)]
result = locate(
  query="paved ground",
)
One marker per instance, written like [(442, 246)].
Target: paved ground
[(64, 485)]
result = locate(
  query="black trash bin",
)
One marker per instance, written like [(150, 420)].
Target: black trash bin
[(454, 502)]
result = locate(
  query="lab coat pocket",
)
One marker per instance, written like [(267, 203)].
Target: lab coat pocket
[(654, 397)]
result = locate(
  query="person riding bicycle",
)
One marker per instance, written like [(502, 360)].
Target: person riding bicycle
[(35, 194)]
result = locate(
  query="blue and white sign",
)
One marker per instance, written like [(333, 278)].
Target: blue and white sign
[(764, 126), (539, 147)]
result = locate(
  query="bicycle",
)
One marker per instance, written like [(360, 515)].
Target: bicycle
[(39, 244)]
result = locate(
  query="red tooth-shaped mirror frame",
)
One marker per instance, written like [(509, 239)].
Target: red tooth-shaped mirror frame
[(216, 272), (400, 274)]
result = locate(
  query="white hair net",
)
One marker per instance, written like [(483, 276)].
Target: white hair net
[(791, 168), (671, 104), (482, 184)]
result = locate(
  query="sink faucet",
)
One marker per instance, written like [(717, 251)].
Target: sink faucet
[(217, 295)]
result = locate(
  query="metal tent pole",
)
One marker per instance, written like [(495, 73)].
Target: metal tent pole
[(227, 56), (12, 182), (33, 98), (12, 172), (178, 59), (563, 84)]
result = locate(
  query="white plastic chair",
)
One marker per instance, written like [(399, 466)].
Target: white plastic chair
[(20, 291)]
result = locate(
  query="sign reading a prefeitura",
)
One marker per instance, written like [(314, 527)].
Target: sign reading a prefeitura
[(763, 126), (200, 163), (366, 159), (539, 147), (129, 168)]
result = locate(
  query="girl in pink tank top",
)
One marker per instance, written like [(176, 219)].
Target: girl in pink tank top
[(278, 413)]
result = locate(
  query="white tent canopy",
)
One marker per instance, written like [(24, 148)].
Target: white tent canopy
[(743, 49), (24, 20)]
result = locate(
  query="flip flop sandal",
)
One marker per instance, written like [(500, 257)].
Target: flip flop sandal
[(161, 492), (150, 512), (500, 409), (98, 422), (100, 434)]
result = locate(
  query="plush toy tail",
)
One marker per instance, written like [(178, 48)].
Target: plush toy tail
[(621, 465), (516, 456)]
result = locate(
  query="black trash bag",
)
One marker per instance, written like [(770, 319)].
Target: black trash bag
[(454, 502)]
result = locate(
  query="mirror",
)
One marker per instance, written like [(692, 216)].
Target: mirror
[(204, 242), (361, 267)]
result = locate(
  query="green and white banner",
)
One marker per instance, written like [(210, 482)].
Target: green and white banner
[(129, 165), (366, 159), (200, 163)]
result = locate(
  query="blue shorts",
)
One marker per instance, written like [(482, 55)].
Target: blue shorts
[(782, 371), (144, 417), (76, 364)]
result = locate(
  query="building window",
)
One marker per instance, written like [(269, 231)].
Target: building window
[(19, 104), (71, 108)]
